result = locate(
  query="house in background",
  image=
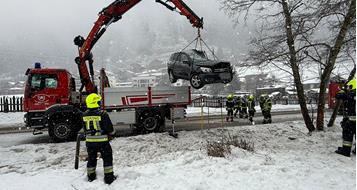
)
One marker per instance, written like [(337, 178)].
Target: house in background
[(273, 89), (311, 84)]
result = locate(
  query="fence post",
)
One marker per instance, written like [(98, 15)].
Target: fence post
[(6, 105), (221, 105), (12, 104), (21, 104), (17, 104), (202, 104), (1, 104)]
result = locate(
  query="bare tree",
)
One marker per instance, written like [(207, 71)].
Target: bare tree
[(340, 17), (278, 41), (293, 35)]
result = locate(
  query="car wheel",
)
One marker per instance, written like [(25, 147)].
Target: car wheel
[(196, 81), (172, 78)]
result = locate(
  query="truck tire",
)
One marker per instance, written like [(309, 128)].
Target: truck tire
[(62, 131), (149, 122)]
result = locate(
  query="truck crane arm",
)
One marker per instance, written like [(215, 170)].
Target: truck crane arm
[(112, 14)]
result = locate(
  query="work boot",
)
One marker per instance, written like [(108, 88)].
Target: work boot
[(109, 178), (345, 151), (231, 119), (92, 177)]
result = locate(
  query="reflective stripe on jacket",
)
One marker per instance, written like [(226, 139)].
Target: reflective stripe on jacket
[(97, 126)]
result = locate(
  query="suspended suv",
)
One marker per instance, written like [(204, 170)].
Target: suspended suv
[(195, 66)]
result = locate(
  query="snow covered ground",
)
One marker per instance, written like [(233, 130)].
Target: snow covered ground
[(158, 162), (11, 118)]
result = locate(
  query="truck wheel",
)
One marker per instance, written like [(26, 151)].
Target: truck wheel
[(61, 131), (196, 81), (172, 78), (149, 122)]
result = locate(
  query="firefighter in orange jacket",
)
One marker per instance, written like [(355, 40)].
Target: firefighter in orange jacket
[(99, 130)]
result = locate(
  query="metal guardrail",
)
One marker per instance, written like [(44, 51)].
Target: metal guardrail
[(217, 102)]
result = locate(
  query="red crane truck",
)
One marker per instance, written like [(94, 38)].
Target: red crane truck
[(52, 102)]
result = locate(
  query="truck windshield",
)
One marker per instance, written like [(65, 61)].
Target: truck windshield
[(42, 81)]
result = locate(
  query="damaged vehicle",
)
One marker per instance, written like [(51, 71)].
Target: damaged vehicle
[(195, 66)]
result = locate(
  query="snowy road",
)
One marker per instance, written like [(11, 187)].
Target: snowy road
[(189, 124)]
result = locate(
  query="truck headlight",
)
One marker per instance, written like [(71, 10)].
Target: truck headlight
[(206, 69)]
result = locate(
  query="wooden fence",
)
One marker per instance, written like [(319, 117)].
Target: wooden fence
[(11, 104)]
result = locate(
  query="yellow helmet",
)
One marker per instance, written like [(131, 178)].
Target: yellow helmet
[(92, 100), (251, 97), (230, 97), (352, 84)]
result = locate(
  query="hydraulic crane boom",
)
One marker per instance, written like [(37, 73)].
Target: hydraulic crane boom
[(107, 16)]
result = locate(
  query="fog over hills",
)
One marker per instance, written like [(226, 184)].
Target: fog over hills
[(43, 31)]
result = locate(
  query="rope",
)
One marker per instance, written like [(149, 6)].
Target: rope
[(199, 41)]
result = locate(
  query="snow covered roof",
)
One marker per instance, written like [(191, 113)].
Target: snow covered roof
[(275, 93), (311, 81), (291, 92), (271, 87)]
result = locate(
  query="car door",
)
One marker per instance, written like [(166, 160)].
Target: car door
[(185, 66)]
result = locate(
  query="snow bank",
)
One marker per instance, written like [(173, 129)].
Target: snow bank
[(158, 161)]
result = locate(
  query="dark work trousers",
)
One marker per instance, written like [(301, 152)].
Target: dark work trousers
[(348, 130), (267, 116), (107, 155), (237, 110), (251, 115), (230, 112), (243, 112)]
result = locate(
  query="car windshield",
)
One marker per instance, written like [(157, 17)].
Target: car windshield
[(197, 55)]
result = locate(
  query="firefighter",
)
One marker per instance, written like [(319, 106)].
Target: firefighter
[(230, 107), (265, 106), (251, 109), (99, 130), (243, 113), (348, 124), (237, 105)]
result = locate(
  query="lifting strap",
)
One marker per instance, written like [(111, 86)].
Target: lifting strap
[(199, 41)]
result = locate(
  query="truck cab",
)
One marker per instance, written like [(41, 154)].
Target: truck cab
[(46, 91)]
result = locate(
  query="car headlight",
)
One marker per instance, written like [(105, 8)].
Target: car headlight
[(206, 69)]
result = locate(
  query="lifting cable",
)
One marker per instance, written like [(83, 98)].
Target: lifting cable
[(198, 43)]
